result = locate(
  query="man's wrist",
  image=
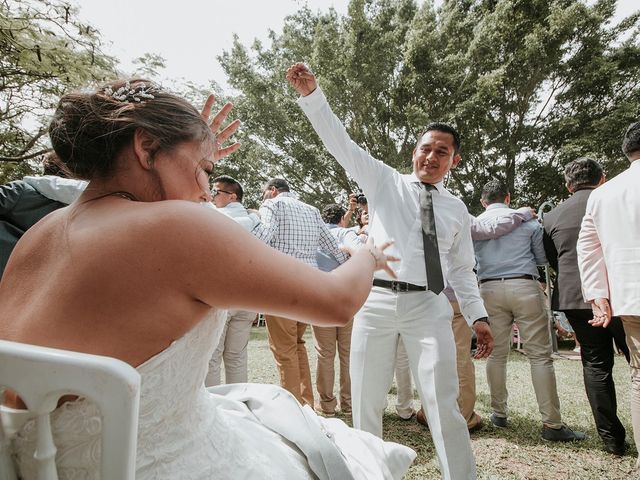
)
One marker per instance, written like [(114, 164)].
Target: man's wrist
[(481, 319)]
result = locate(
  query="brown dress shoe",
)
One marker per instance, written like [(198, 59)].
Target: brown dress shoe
[(421, 418)]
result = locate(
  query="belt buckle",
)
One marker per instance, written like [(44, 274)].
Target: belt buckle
[(399, 287)]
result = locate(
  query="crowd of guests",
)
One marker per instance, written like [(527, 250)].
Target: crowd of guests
[(438, 279)]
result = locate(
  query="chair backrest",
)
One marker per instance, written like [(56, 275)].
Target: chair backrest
[(40, 376)]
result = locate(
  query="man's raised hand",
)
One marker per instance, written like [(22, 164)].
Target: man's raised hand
[(301, 79)]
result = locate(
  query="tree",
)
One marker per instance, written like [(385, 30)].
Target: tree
[(44, 51), (530, 84)]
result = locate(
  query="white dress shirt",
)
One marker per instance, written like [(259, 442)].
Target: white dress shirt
[(240, 215), (394, 211)]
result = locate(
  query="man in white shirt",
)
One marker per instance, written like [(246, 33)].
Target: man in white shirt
[(296, 229), (608, 252), (232, 348), (405, 208)]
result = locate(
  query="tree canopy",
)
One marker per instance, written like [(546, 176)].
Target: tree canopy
[(44, 51), (530, 84)]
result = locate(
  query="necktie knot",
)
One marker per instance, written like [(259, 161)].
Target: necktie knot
[(429, 187)]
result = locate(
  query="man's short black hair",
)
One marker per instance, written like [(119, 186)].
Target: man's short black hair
[(631, 140), (446, 128), (494, 191), (232, 184), (582, 172), (333, 213), (280, 184)]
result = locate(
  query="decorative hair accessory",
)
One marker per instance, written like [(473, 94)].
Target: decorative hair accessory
[(129, 94)]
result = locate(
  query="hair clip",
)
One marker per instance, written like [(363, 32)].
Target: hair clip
[(128, 94)]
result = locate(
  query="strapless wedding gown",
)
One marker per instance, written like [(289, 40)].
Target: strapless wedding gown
[(188, 432)]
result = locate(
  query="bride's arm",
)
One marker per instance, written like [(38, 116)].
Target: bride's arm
[(224, 266)]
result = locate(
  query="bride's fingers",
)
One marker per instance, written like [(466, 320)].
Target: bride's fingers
[(392, 259), (223, 152), (220, 117), (206, 109), (227, 131), (390, 271), (386, 245)]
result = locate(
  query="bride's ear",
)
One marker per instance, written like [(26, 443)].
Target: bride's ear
[(144, 148)]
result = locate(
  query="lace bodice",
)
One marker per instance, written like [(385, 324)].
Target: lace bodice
[(182, 431)]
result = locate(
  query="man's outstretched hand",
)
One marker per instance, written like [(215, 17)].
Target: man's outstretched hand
[(301, 79)]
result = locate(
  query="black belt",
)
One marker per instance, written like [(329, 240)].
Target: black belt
[(398, 286), (519, 277)]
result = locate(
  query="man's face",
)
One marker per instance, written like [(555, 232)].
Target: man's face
[(269, 192), (223, 196), (434, 156)]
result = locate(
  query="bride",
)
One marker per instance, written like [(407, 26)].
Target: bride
[(136, 269)]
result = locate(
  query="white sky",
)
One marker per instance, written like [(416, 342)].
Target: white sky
[(190, 34)]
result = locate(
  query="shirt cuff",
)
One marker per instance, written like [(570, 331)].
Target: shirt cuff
[(473, 311), (312, 102)]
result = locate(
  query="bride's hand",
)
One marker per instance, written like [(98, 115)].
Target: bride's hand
[(382, 260), (225, 133)]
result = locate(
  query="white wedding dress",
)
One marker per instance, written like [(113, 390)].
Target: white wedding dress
[(189, 432)]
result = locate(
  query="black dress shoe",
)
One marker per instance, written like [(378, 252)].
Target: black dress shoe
[(498, 421), (563, 434), (615, 449)]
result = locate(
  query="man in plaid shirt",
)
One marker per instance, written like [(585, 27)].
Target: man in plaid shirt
[(296, 229)]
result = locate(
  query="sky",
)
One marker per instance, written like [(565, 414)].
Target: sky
[(190, 34)]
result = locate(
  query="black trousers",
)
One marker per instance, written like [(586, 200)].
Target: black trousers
[(596, 349)]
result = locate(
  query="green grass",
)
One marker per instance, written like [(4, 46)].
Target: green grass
[(516, 452)]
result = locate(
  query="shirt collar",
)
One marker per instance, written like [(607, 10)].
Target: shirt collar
[(497, 205), (439, 185), (287, 194), (635, 162)]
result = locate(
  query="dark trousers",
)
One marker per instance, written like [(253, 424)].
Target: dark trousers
[(596, 349)]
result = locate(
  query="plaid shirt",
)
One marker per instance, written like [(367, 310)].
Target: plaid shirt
[(296, 229)]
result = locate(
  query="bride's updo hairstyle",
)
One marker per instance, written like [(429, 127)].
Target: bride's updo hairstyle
[(89, 130)]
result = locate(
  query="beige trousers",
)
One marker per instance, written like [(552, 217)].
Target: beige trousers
[(466, 370), (290, 353), (233, 349), (521, 301), (327, 339), (631, 324)]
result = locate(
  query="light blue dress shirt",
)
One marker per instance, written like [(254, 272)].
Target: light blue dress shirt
[(517, 253)]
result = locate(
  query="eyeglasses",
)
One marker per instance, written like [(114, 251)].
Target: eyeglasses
[(216, 191)]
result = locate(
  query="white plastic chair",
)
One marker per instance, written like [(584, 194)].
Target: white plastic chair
[(40, 376)]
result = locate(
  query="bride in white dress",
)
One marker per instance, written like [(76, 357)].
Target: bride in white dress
[(136, 269)]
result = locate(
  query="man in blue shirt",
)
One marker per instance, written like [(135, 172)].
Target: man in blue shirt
[(507, 272)]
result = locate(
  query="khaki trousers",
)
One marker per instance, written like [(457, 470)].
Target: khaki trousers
[(290, 353), (404, 388), (233, 349), (631, 324), (521, 301), (327, 339), (466, 370)]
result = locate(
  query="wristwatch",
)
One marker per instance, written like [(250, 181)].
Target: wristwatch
[(482, 319)]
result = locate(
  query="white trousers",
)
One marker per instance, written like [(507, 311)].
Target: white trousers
[(423, 321), (233, 349)]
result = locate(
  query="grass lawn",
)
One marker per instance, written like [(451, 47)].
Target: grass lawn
[(517, 452)]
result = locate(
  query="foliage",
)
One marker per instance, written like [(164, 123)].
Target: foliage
[(44, 51), (530, 84)]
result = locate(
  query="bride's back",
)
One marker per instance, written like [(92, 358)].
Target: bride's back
[(94, 278)]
